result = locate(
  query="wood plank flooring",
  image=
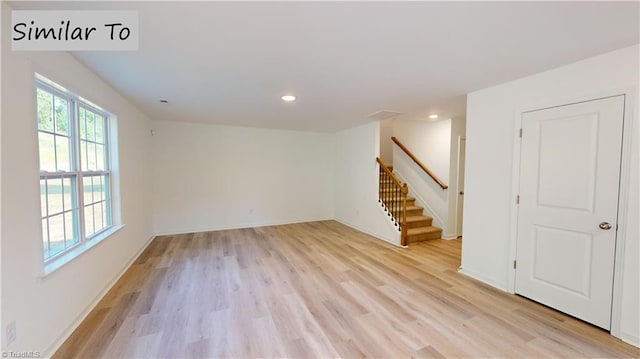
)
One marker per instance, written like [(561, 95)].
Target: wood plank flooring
[(319, 289)]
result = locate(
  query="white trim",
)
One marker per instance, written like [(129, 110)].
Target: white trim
[(242, 226), (630, 118), (482, 278), (515, 190), (458, 216), (76, 251), (630, 113), (629, 338), (83, 315), (224, 228), (358, 228)]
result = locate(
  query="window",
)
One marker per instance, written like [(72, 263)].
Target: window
[(75, 171)]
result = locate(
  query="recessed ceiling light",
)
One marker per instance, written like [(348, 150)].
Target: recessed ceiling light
[(433, 116), (164, 101), (288, 98)]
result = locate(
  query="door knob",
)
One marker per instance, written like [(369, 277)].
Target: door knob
[(462, 193), (605, 225)]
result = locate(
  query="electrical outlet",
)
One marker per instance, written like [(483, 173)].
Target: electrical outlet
[(10, 332)]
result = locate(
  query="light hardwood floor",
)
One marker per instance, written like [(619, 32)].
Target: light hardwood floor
[(319, 290)]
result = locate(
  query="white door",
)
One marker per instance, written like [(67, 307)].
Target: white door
[(460, 181), (569, 175)]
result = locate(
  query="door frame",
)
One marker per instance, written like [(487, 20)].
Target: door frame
[(458, 215), (628, 126)]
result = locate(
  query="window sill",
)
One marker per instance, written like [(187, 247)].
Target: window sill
[(77, 251)]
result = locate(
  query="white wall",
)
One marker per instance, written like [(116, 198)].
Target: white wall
[(45, 309), (386, 145), (429, 141), (491, 132), (356, 182), (210, 177), (423, 188)]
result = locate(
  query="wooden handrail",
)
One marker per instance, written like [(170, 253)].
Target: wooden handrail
[(420, 164), (388, 171)]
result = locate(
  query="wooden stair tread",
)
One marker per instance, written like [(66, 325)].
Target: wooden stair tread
[(423, 233), (418, 218), (422, 230)]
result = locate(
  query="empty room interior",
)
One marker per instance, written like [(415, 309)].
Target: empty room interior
[(320, 179)]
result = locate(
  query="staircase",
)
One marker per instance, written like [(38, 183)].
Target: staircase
[(419, 226)]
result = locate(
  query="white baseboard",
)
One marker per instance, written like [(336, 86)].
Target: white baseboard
[(83, 315), (395, 242), (242, 226), (483, 279), (631, 339)]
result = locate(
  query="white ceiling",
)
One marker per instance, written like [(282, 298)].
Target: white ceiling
[(229, 63)]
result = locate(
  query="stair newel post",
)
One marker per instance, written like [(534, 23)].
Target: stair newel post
[(405, 191)]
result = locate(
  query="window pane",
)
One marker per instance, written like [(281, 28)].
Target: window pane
[(68, 229), (89, 228), (68, 198), (100, 163), (91, 128), (83, 123), (75, 229), (96, 208), (100, 126), (54, 198), (98, 195), (106, 194), (45, 239), (97, 216), (61, 107), (47, 152), (106, 218), (43, 197), (88, 190), (63, 154), (45, 110), (107, 188), (83, 155), (56, 234), (91, 156)]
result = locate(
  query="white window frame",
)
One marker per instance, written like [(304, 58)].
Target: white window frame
[(79, 232)]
